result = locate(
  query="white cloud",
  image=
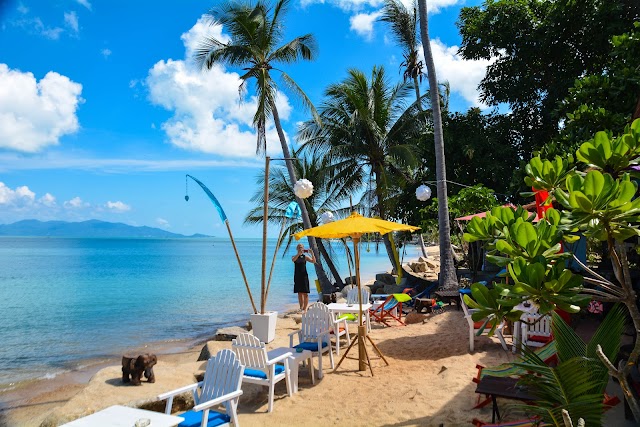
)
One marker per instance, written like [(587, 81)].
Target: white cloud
[(118, 206), (22, 9), (84, 3), (47, 200), (18, 197), (107, 53), (71, 20), (207, 116), (362, 23), (462, 75), (34, 115), (161, 222), (36, 26), (201, 30), (75, 203)]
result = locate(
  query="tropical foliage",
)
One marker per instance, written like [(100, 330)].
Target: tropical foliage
[(577, 383), (601, 204)]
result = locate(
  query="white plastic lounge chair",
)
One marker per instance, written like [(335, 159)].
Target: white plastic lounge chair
[(221, 385), (314, 334), (339, 327), (474, 327), (258, 369)]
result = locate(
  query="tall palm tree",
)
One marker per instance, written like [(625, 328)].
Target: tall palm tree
[(334, 184), (447, 277), (367, 125), (404, 27), (256, 30)]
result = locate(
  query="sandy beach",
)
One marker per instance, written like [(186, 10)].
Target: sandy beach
[(428, 383)]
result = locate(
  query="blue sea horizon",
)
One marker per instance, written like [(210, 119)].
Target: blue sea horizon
[(69, 300)]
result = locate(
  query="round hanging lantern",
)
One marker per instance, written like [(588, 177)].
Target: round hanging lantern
[(327, 217), (303, 188), (423, 193)]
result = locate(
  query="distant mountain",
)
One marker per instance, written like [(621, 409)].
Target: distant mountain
[(91, 228)]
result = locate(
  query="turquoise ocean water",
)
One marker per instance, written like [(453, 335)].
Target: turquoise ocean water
[(66, 300)]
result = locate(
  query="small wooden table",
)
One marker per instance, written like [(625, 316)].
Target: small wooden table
[(294, 362), (124, 416), (449, 296), (502, 387)]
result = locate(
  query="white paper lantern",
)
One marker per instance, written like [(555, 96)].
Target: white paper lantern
[(303, 188), (423, 193), (327, 217)]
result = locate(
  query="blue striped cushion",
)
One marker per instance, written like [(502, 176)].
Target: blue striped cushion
[(259, 374), (193, 419), (311, 346)]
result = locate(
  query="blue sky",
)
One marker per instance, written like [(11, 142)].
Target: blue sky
[(102, 111)]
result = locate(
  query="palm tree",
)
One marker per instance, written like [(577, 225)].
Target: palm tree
[(256, 30), (447, 275), (334, 184), (404, 28), (367, 126)]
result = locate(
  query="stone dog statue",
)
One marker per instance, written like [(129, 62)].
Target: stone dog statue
[(137, 366)]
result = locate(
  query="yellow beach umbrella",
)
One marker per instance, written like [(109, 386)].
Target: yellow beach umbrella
[(354, 226)]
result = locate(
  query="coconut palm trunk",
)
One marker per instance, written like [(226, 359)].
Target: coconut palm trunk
[(330, 264), (327, 288), (447, 277)]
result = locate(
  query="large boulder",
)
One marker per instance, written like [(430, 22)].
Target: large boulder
[(387, 278), (419, 267), (393, 289)]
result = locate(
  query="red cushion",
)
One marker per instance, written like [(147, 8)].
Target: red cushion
[(478, 325), (540, 338), (339, 330)]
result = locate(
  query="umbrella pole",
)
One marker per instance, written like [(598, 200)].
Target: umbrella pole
[(362, 331)]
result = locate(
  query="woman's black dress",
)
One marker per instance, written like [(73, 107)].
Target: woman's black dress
[(300, 276)]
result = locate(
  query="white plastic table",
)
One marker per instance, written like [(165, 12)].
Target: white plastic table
[(343, 307), (296, 358), (124, 416)]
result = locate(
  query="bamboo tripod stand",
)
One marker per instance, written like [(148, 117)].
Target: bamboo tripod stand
[(362, 329)]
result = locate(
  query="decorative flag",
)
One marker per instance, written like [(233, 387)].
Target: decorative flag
[(223, 216), (293, 211)]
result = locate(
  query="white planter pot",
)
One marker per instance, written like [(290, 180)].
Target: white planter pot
[(264, 326)]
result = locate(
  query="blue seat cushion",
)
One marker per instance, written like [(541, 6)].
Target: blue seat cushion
[(259, 374), (465, 291), (311, 346), (193, 419)]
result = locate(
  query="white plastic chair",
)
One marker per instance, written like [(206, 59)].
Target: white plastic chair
[(339, 327), (352, 296), (535, 330), (221, 385), (314, 333), (474, 327), (258, 369)]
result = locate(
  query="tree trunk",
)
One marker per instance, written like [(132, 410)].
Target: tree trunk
[(416, 86), (383, 214), (447, 276), (330, 264), (306, 222)]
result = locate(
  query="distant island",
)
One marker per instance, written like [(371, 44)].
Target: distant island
[(91, 228)]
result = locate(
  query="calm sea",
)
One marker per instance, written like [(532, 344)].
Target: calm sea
[(65, 300)]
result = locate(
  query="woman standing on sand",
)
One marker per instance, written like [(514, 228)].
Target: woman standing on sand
[(300, 276)]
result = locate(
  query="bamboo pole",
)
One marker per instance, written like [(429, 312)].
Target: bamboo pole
[(244, 276), (273, 261), (263, 283)]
